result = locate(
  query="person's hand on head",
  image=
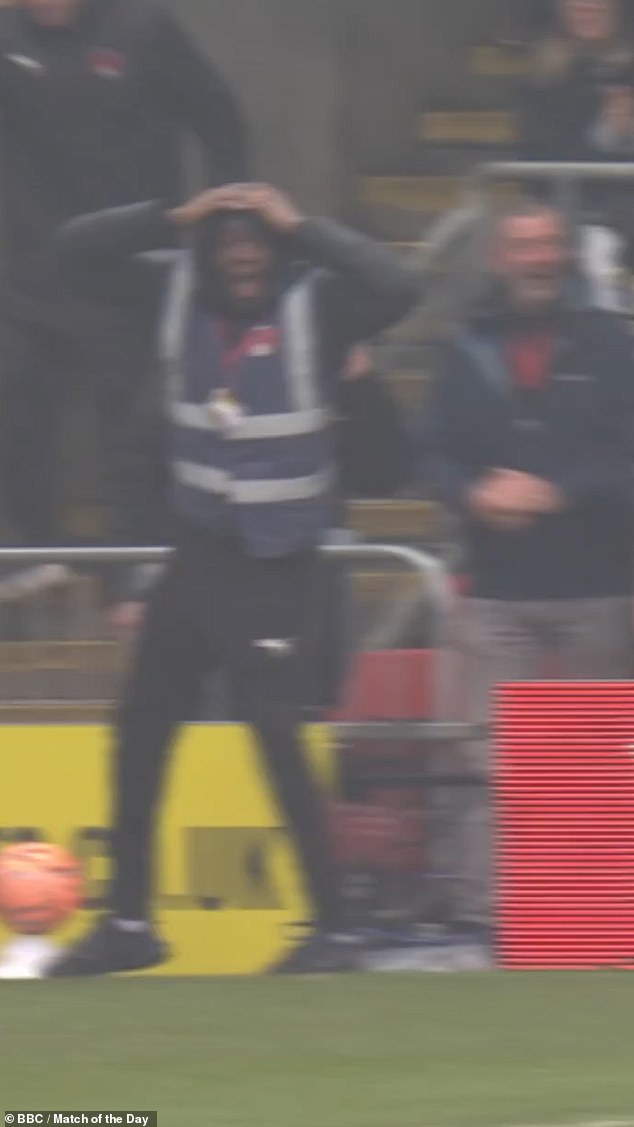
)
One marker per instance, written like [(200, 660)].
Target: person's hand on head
[(274, 207), (231, 197)]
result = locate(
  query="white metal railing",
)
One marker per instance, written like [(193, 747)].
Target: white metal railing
[(438, 776), (567, 178), (554, 170), (435, 591)]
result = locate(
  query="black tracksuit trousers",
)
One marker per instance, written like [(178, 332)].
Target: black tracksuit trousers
[(219, 607)]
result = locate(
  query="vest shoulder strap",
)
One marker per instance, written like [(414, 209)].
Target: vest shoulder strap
[(301, 358), (180, 287)]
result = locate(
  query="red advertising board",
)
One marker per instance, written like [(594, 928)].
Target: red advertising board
[(565, 825)]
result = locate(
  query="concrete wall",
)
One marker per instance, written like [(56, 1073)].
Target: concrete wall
[(405, 56), (283, 57), (333, 86)]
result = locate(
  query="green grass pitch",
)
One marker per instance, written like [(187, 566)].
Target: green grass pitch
[(499, 1050)]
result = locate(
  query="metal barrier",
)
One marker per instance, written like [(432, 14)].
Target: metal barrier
[(566, 176), (434, 589), (414, 889)]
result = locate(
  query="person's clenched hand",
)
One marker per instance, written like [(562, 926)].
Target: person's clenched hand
[(512, 500)]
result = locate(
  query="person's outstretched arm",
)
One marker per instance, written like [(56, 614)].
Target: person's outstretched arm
[(107, 255)]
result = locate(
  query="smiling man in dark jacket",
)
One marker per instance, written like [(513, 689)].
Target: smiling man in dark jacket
[(254, 342), (95, 97), (530, 441)]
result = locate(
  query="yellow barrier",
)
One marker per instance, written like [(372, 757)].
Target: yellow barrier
[(228, 880)]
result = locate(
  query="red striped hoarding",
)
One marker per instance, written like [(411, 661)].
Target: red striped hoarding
[(565, 825)]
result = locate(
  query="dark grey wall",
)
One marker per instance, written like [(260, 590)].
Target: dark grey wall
[(283, 57), (333, 86), (405, 56)]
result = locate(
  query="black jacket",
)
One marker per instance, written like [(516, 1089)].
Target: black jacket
[(91, 117), (576, 433)]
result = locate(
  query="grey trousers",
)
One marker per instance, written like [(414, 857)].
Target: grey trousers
[(494, 642)]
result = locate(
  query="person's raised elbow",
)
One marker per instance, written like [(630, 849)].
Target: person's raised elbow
[(405, 292), (71, 252)]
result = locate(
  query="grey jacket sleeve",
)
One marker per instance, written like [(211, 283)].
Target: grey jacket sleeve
[(364, 287), (108, 255)]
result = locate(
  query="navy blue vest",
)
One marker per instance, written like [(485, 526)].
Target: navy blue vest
[(269, 464)]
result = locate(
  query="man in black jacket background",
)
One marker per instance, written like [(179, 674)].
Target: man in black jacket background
[(530, 443), (95, 97)]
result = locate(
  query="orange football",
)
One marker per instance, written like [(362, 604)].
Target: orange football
[(40, 887)]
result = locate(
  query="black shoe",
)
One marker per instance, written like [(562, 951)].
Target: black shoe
[(107, 949), (321, 953)]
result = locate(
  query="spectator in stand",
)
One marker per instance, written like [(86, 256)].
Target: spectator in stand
[(577, 73), (578, 105), (95, 95), (529, 437)]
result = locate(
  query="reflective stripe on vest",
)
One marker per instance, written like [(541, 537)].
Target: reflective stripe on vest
[(299, 348), (307, 416), (253, 492), (177, 307), (288, 425)]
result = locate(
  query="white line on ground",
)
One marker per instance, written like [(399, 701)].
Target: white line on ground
[(588, 1123)]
